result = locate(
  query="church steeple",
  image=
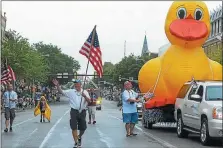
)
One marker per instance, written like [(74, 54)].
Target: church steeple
[(145, 49)]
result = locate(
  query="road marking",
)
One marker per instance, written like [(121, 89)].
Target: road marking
[(162, 142), (33, 132), (51, 130), (21, 123), (26, 139), (104, 138)]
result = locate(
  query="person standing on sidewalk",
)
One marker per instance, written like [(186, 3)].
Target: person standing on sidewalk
[(92, 106), (10, 98), (79, 100), (130, 115)]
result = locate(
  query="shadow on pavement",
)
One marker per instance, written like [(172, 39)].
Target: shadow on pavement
[(192, 137)]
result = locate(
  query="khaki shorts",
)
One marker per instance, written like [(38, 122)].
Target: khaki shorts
[(91, 110), (9, 113), (78, 120)]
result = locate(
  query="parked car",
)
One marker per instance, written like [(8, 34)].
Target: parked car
[(198, 109)]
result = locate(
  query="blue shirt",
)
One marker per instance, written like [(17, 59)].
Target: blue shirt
[(38, 96), (10, 95), (127, 107)]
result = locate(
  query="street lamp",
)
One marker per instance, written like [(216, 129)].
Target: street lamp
[(3, 25), (75, 73)]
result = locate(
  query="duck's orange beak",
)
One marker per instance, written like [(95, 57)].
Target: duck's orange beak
[(188, 29)]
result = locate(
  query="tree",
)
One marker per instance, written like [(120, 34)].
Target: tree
[(25, 61), (57, 61), (37, 61), (108, 69), (128, 67)]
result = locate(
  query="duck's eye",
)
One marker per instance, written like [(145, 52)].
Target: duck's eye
[(181, 13), (198, 14)]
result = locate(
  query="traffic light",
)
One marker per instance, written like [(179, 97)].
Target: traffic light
[(120, 78), (75, 75), (95, 75)]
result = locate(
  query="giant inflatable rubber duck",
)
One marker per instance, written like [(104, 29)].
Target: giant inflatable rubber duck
[(187, 27)]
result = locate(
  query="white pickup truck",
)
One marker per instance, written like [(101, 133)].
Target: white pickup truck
[(198, 109)]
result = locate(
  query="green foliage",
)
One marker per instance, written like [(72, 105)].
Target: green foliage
[(37, 61), (108, 69), (26, 62), (127, 67), (216, 53), (57, 61)]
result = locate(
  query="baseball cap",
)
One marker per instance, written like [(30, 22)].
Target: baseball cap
[(76, 81), (127, 83)]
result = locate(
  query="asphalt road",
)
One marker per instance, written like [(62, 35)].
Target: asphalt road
[(108, 132)]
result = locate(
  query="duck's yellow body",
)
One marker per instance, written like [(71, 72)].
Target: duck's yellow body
[(185, 59)]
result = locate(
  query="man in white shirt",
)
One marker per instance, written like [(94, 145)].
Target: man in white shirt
[(78, 99)]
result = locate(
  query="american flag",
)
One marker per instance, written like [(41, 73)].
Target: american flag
[(7, 74), (93, 52)]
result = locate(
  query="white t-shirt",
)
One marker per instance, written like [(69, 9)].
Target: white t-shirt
[(75, 98)]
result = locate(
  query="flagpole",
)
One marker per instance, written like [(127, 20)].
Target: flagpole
[(92, 42)]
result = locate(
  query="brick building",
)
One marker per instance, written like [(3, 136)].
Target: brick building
[(214, 41)]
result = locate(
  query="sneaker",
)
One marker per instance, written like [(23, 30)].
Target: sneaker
[(75, 145), (94, 122), (89, 122), (6, 130), (79, 142), (10, 129)]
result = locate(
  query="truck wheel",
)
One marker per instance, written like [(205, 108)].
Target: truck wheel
[(150, 125), (181, 133), (144, 123), (204, 133)]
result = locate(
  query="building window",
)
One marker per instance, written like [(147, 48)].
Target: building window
[(217, 26), (214, 28), (220, 25)]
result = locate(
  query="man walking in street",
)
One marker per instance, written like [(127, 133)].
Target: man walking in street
[(79, 100), (92, 106), (9, 98), (130, 115)]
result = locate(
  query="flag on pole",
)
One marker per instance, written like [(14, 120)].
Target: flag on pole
[(7, 74), (91, 50)]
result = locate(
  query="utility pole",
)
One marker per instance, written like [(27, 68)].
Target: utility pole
[(125, 49)]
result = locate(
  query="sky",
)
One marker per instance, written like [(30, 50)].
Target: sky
[(68, 24)]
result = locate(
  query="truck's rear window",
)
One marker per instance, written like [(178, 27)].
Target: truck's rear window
[(183, 91), (214, 93)]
